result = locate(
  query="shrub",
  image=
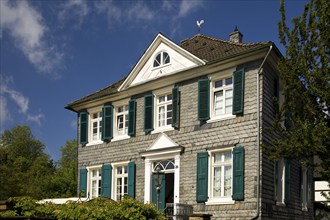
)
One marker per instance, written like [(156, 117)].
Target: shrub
[(99, 208)]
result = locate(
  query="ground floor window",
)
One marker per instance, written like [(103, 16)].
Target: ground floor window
[(121, 182), (95, 182)]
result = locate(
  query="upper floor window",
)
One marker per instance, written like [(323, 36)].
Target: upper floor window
[(164, 110), (121, 120), (222, 97), (96, 126), (161, 59)]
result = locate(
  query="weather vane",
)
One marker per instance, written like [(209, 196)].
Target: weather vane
[(199, 25)]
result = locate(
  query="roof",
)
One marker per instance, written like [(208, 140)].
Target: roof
[(212, 49), (204, 47)]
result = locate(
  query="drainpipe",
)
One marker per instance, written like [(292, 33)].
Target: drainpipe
[(258, 132)]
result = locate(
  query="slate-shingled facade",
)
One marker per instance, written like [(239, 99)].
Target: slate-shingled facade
[(189, 111)]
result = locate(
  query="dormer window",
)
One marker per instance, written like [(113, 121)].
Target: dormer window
[(161, 59)]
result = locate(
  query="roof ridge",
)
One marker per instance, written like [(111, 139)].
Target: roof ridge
[(226, 41)]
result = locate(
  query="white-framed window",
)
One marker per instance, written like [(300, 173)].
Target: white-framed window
[(164, 110), (121, 122), (95, 182), (120, 181), (95, 125), (280, 182), (222, 97), (305, 189), (161, 59), (220, 176)]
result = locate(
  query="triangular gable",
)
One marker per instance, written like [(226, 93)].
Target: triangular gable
[(162, 142), (144, 70)]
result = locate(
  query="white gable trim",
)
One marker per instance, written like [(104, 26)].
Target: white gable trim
[(162, 142), (159, 39)]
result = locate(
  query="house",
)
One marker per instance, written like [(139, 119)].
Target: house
[(186, 127)]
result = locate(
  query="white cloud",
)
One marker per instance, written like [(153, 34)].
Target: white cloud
[(26, 25), (137, 11), (9, 93), (74, 9), (140, 11), (18, 98), (73, 124), (188, 6), (4, 112), (36, 118), (113, 12), (167, 5)]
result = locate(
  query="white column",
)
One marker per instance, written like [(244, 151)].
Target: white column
[(177, 178), (147, 174)]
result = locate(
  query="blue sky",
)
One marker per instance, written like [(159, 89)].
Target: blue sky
[(54, 52)]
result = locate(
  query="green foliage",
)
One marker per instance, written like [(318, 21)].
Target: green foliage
[(305, 75), (25, 170), (24, 167), (64, 182), (100, 208)]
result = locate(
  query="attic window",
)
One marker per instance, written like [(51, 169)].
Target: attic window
[(161, 59)]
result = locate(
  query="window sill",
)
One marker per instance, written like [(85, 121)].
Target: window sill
[(94, 143), (227, 201), (119, 138), (162, 129), (304, 209), (221, 118), (280, 204)]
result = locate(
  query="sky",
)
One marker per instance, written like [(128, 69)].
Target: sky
[(54, 51)]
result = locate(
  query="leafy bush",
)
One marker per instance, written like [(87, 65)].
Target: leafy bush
[(100, 208)]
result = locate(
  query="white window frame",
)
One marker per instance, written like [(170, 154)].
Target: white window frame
[(115, 176), (161, 64), (158, 93), (219, 200), (116, 135), (90, 180), (90, 126), (306, 189), (280, 184), (222, 75)]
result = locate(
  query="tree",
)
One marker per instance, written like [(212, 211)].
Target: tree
[(305, 75), (24, 167), (64, 182)]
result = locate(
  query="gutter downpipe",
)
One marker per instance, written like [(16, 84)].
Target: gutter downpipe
[(258, 132)]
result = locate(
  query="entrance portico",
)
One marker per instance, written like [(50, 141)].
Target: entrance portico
[(163, 154)]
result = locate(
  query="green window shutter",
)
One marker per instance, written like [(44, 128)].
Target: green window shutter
[(131, 117), (106, 174), (202, 176), (131, 179), (238, 92), (203, 99), (275, 180), (287, 181), (107, 122), (176, 107), (83, 182), (238, 173), (148, 113), (83, 127)]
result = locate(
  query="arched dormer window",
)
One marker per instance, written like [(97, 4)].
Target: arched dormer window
[(161, 59)]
